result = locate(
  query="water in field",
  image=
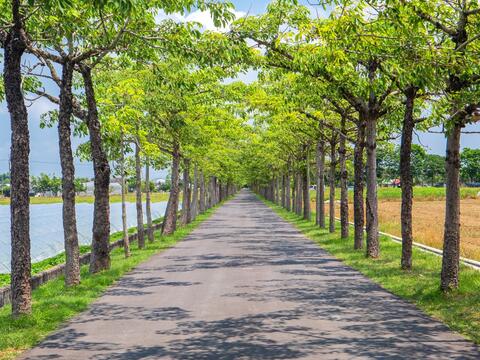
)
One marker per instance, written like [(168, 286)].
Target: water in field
[(46, 229)]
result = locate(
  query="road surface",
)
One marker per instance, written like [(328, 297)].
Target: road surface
[(247, 285)]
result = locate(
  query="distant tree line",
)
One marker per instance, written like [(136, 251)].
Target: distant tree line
[(45, 183), (4, 182), (427, 169), (42, 183)]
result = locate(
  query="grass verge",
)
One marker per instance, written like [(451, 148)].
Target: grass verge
[(460, 310), (53, 304)]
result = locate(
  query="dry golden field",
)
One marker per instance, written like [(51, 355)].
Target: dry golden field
[(428, 219)]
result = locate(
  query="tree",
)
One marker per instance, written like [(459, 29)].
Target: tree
[(14, 43), (44, 183), (434, 169), (455, 30), (470, 165)]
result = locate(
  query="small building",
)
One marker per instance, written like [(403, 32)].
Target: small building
[(159, 182), (115, 188)]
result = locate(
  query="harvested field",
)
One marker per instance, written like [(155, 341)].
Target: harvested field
[(428, 220)]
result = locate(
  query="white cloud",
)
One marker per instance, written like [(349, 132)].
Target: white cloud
[(204, 18), (39, 107), (177, 17)]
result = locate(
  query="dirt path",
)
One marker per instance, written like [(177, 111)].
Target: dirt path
[(247, 285)]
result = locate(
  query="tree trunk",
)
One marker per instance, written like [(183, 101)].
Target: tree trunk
[(306, 187), (272, 190), (148, 202), (288, 201), (342, 152), (283, 198), (294, 194), (138, 192), (331, 180), (202, 201), (277, 190), (214, 191), (299, 193), (221, 191), (126, 241), (100, 258), (195, 193), (320, 197), (72, 251), (358, 208), (14, 46), (373, 246), (186, 210), (406, 179), (170, 219), (209, 189), (451, 237)]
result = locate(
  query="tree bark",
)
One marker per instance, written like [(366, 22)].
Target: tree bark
[(202, 201), (100, 258), (170, 219), (195, 193), (406, 179), (451, 237), (373, 246), (214, 191), (14, 47), (126, 241), (299, 193), (331, 180), (277, 190), (186, 210), (221, 191), (210, 193), (138, 197), (283, 194), (320, 197), (70, 235), (294, 194), (342, 152), (288, 201), (272, 190), (148, 202), (358, 207), (306, 187)]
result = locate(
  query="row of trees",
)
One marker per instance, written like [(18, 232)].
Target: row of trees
[(335, 87), (135, 85), (51, 183)]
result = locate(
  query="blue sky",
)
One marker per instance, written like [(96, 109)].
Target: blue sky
[(44, 142)]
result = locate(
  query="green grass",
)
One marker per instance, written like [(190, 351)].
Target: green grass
[(156, 197), (460, 310), (44, 264), (420, 193), (53, 304)]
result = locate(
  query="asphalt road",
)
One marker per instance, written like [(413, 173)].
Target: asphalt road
[(247, 285)]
